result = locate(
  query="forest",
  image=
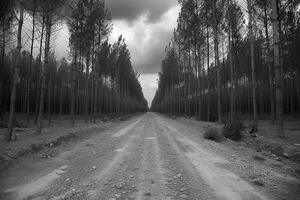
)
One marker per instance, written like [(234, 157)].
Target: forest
[(229, 59), (76, 82), (95, 80)]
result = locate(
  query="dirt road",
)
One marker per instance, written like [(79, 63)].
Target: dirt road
[(147, 157)]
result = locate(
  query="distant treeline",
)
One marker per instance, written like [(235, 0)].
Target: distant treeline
[(96, 80), (228, 57)]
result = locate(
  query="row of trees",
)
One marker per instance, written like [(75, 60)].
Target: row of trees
[(228, 57), (96, 79), (105, 69)]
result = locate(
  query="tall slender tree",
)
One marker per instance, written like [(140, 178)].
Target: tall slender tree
[(217, 59), (16, 72), (253, 76), (50, 11), (278, 70)]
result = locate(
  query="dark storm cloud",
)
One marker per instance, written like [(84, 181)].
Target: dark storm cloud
[(146, 40), (147, 48), (150, 58), (130, 10)]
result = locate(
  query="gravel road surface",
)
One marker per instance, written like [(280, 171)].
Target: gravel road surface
[(147, 157)]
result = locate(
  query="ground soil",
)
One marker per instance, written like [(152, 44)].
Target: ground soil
[(149, 157)]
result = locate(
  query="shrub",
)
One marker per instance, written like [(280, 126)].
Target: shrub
[(213, 134), (233, 130), (252, 127), (258, 158)]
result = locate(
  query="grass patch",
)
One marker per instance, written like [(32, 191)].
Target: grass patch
[(213, 134)]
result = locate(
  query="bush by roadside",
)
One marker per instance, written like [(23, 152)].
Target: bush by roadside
[(213, 134), (233, 130)]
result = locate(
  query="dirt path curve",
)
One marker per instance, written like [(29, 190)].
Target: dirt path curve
[(148, 157)]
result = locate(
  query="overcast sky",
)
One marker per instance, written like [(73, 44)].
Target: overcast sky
[(147, 26)]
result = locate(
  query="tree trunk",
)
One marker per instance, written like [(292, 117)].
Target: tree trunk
[(49, 99), (43, 72), (30, 67), (208, 72), (278, 74), (216, 46), (199, 85), (232, 88), (73, 88), (54, 96), (92, 94), (15, 76), (61, 97), (39, 76), (298, 88), (77, 87), (95, 100), (253, 83), (2, 108), (189, 85), (86, 98), (269, 64)]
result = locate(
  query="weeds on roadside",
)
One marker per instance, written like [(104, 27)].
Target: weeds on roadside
[(213, 134), (233, 130)]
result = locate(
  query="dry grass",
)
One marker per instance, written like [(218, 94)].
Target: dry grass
[(213, 134), (233, 130)]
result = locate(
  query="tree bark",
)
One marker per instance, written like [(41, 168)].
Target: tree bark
[(297, 87), (73, 88), (43, 72), (95, 100), (208, 71), (199, 85), (189, 96), (278, 74), (15, 75), (40, 75), (30, 67), (2, 108), (253, 83), (61, 97), (216, 47), (92, 94), (86, 98), (232, 88), (269, 64), (49, 99)]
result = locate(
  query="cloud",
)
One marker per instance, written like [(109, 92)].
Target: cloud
[(130, 10), (145, 41)]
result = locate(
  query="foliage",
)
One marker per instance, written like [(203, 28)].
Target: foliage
[(98, 76), (233, 130), (188, 81), (213, 134)]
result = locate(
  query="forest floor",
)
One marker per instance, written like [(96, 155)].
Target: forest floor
[(151, 156)]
